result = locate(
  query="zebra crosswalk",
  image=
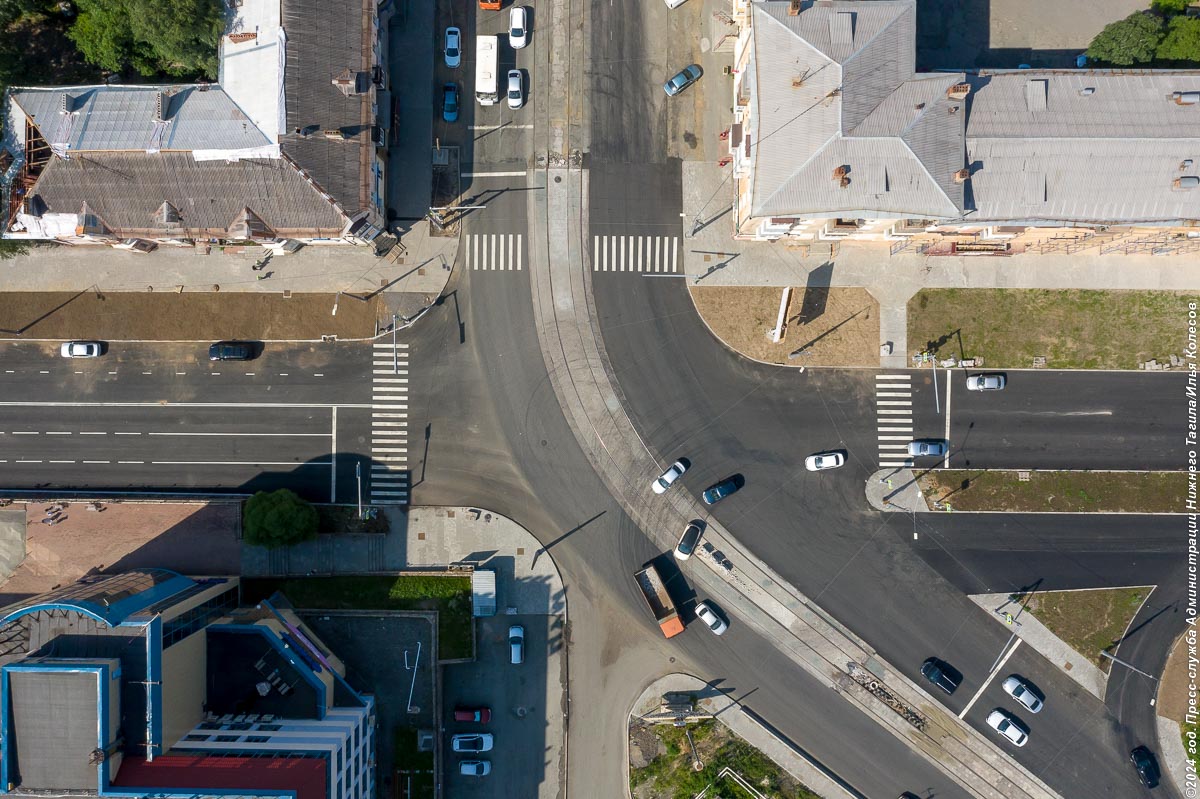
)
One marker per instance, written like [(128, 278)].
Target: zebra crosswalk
[(389, 481), (496, 251), (893, 409), (635, 254)]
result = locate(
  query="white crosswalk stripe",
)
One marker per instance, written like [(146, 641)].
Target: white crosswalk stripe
[(389, 476), (635, 254), (496, 251), (893, 406)]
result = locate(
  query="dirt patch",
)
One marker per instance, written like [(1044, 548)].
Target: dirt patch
[(159, 316), (1070, 329), (831, 326), (1064, 492), (1088, 621), (193, 539)]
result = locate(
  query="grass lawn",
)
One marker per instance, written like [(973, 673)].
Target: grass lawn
[(1088, 621), (450, 596), (335, 519), (414, 769), (1071, 328), (670, 775), (1069, 492)]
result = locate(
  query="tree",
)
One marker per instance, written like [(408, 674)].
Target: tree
[(278, 519), (1170, 7), (1132, 40), (179, 37), (1182, 42)]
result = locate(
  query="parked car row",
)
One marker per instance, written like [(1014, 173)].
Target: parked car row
[(219, 351), (479, 742), (452, 51)]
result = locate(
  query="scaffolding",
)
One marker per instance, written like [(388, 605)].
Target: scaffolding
[(1157, 243)]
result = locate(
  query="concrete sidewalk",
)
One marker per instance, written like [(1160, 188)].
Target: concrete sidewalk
[(713, 258), (419, 263), (714, 703)]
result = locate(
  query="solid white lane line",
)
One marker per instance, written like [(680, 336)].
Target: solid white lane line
[(493, 174), (241, 435), (25, 433), (990, 677), (97, 461), (27, 461), (58, 432), (949, 383), (61, 461), (126, 434), (91, 433), (293, 464), (130, 462), (333, 456)]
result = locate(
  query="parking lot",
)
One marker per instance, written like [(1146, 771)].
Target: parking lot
[(527, 710)]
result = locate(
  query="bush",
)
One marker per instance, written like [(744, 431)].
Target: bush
[(177, 38), (278, 519), (1182, 42), (1133, 40), (1170, 7)]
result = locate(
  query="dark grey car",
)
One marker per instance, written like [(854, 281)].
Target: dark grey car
[(682, 79), (231, 351), (941, 674)]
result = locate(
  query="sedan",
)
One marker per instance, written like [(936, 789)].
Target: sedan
[(927, 446), (687, 541), (230, 351), (1147, 766), (941, 674), (472, 742), (715, 623), (719, 491), (475, 768), (479, 715), (450, 102), (986, 382), (1022, 691), (518, 27), (668, 477), (824, 460), (1007, 725), (684, 78), (516, 644), (675, 3), (81, 349), (516, 89), (453, 53)]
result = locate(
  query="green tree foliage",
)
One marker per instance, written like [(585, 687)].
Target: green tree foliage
[(1182, 42), (179, 37), (1170, 7), (1132, 40), (278, 519)]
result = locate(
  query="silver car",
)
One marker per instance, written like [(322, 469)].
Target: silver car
[(475, 768), (986, 382), (927, 446), (472, 742), (714, 622), (516, 89), (682, 79), (664, 480), (1022, 691), (81, 349), (453, 50), (1007, 725)]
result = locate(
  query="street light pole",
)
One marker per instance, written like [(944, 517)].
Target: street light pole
[(358, 479)]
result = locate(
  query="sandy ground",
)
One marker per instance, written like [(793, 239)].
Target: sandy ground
[(1172, 691), (161, 316), (838, 326), (195, 539)]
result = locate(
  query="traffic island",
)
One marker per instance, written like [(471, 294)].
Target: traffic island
[(678, 748), (1031, 491)]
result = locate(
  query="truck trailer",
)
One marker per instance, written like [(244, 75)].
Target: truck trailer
[(655, 591)]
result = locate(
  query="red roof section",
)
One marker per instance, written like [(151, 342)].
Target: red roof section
[(304, 776)]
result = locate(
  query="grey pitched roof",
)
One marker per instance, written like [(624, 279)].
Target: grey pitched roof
[(1044, 148), (126, 191), (324, 39), (123, 118), (834, 87)]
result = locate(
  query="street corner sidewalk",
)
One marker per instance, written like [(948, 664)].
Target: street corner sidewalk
[(1026, 627), (711, 702), (527, 577), (896, 491)]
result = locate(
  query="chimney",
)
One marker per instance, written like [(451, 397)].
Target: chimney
[(962, 176), (840, 172), (1186, 98), (958, 91), (65, 104), (794, 8), (162, 101), (844, 182), (335, 134)]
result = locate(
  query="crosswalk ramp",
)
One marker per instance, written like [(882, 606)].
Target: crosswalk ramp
[(496, 251), (635, 254), (389, 479), (894, 414)]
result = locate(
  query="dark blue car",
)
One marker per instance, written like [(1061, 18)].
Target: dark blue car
[(450, 102), (719, 491)]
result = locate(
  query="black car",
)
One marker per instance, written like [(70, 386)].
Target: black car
[(1147, 766), (941, 674), (231, 351)]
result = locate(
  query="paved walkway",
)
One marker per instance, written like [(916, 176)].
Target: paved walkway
[(527, 580), (1049, 645), (713, 702), (895, 490), (713, 258), (747, 587)]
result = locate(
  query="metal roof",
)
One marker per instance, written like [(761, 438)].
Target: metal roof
[(54, 728), (198, 117), (127, 190)]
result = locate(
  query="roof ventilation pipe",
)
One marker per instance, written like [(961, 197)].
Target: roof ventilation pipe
[(1186, 98)]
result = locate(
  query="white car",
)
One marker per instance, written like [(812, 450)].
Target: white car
[(1007, 725), (518, 27), (926, 446), (81, 349), (687, 541), (663, 482), (824, 460), (675, 3), (516, 89), (453, 51), (472, 742), (516, 644), (475, 768), (1022, 691), (715, 623), (986, 382)]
